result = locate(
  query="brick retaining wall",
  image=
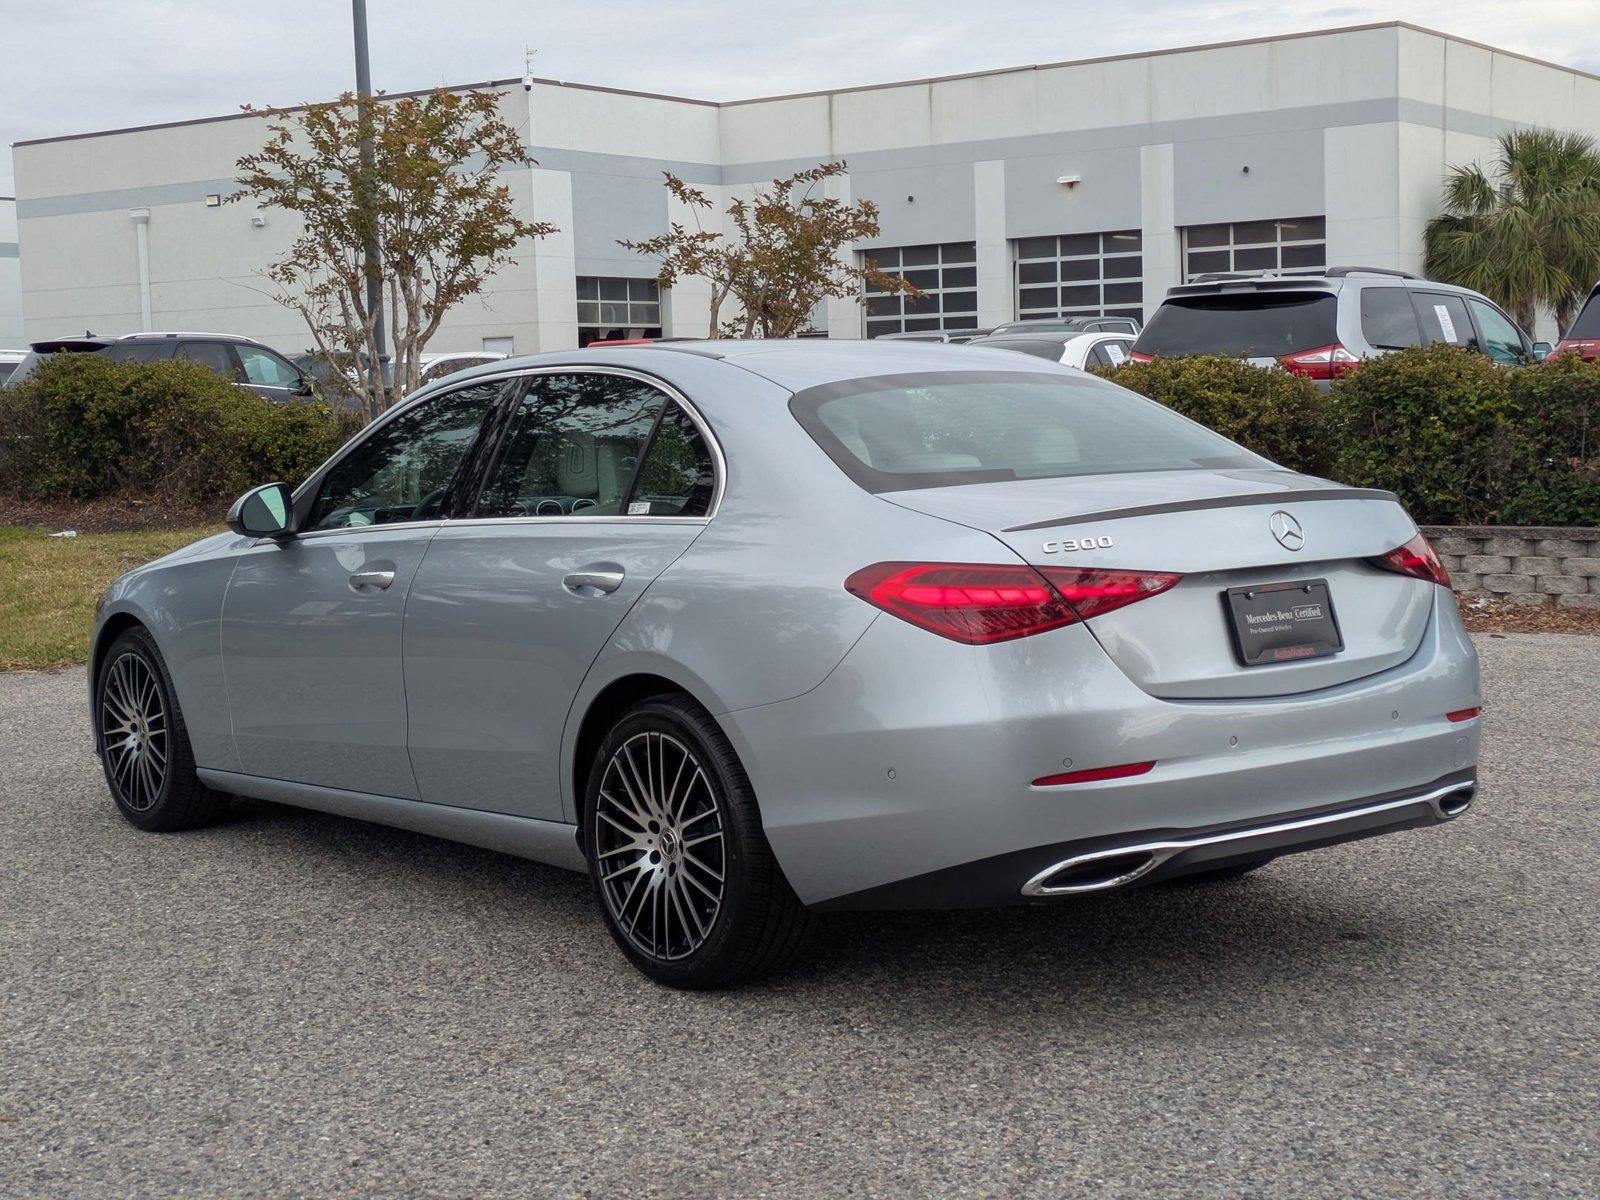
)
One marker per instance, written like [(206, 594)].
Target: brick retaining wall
[(1527, 564)]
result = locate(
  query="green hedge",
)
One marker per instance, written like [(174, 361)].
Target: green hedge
[(1457, 438), (82, 427), (1269, 411)]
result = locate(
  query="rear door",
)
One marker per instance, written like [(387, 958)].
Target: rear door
[(601, 480)]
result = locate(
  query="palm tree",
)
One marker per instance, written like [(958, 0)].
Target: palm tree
[(1526, 233)]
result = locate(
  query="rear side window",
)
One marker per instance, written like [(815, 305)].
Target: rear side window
[(213, 356), (1387, 319), (1242, 325), (572, 447), (676, 478), (1587, 326), (901, 432), (1443, 317), (140, 352)]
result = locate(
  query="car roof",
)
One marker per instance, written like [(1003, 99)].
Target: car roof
[(1332, 280), (794, 364), (1044, 336)]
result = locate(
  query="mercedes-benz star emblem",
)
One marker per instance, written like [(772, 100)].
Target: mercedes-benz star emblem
[(1287, 530)]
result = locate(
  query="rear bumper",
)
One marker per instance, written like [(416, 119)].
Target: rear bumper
[(907, 772), (1043, 873)]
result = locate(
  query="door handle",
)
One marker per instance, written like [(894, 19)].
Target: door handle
[(599, 581), (376, 577)]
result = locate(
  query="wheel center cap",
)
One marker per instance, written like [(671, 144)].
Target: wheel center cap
[(669, 845)]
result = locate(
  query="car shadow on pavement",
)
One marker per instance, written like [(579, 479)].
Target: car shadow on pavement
[(1102, 960)]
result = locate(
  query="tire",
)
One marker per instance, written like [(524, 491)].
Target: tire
[(144, 743), (668, 809)]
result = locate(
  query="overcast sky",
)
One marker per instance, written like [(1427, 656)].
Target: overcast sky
[(70, 66)]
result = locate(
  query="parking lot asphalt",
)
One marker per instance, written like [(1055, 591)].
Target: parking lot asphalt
[(296, 1004)]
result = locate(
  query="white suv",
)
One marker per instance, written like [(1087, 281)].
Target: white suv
[(1322, 326)]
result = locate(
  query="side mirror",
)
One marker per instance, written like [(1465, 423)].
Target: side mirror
[(266, 511), (1541, 351)]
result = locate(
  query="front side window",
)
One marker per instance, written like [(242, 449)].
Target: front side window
[(1501, 341), (403, 470), (571, 447), (942, 429), (265, 369)]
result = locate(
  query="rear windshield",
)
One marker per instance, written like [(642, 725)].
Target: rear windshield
[(1039, 347), (1242, 325), (23, 369), (1587, 326), (941, 429)]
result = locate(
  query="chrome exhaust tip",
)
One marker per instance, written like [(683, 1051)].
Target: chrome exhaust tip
[(1118, 866), (1453, 804), (1097, 872)]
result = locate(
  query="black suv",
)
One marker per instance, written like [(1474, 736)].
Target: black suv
[(239, 359)]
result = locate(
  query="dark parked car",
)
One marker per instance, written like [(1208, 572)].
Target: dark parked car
[(245, 361)]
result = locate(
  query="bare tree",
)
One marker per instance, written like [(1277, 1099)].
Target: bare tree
[(783, 258), (433, 203)]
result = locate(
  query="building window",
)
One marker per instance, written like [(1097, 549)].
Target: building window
[(617, 308), (948, 277), (1080, 274), (1289, 246)]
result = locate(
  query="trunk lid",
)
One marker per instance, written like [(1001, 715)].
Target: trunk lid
[(1214, 528)]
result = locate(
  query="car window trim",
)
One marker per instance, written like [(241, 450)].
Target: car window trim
[(1524, 349), (306, 492), (673, 395), (305, 496)]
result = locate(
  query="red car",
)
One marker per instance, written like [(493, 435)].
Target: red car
[(1583, 337)]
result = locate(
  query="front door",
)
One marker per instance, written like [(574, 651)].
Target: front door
[(600, 483), (311, 625)]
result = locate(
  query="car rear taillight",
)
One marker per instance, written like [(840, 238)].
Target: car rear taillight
[(1325, 362), (1091, 591), (1417, 559), (1460, 715), (980, 603), (1584, 348), (1140, 356)]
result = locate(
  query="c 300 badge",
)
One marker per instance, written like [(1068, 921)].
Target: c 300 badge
[(1067, 545)]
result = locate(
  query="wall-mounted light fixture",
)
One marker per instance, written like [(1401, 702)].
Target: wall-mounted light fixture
[(258, 220), (1069, 181), (214, 200)]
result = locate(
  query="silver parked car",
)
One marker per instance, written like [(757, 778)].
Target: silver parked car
[(748, 629)]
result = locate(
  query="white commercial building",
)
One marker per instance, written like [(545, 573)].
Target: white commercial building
[(10, 277), (1072, 187)]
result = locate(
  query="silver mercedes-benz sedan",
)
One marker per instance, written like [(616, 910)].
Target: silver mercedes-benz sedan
[(751, 629)]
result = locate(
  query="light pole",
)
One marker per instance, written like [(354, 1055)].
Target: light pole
[(374, 292)]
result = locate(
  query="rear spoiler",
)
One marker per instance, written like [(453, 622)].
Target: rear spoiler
[(1245, 283), (1249, 499)]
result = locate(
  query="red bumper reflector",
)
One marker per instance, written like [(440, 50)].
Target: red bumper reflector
[(1094, 774), (1461, 714)]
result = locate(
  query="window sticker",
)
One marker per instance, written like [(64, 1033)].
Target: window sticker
[(1446, 325), (639, 508), (1115, 354)]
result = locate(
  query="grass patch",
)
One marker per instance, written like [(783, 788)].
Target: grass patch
[(49, 586)]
